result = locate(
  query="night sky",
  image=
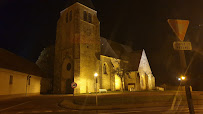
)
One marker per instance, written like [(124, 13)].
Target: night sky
[(28, 26)]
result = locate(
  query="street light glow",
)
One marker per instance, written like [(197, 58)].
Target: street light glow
[(95, 74), (182, 77)]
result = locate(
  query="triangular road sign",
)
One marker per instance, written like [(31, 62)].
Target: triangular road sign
[(179, 27)]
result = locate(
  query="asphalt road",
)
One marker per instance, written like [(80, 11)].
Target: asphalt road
[(49, 104)]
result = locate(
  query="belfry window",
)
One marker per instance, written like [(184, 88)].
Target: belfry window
[(66, 17), (70, 15), (89, 18), (104, 69), (85, 15)]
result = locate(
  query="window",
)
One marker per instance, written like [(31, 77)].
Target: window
[(68, 66), (67, 18), (85, 16), (104, 69), (11, 79), (70, 15), (89, 18)]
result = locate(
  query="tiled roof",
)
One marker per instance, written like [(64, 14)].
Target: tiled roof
[(116, 50), (13, 62), (106, 49)]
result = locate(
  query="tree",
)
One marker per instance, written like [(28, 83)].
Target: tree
[(121, 71), (46, 61)]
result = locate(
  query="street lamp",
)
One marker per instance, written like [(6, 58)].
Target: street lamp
[(95, 75), (182, 77), (27, 82)]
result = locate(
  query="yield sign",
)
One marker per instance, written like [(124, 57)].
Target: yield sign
[(179, 27)]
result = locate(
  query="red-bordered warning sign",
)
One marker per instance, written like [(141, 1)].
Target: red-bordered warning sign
[(73, 85), (179, 27)]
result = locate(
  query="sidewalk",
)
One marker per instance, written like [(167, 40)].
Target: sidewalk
[(131, 100), (13, 96)]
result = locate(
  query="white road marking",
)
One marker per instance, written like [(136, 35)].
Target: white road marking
[(14, 106)]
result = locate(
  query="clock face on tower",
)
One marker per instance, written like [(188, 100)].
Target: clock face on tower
[(87, 30)]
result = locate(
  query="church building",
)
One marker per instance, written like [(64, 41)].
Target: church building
[(80, 52)]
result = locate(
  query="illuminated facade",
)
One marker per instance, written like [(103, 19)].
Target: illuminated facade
[(76, 49), (80, 52), (18, 76)]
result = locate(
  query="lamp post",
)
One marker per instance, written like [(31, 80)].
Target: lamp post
[(182, 79), (95, 75), (28, 80)]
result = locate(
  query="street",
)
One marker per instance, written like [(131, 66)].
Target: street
[(49, 104)]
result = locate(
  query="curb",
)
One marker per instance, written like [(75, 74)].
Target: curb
[(70, 105)]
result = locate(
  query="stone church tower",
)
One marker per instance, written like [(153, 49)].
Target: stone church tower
[(77, 48)]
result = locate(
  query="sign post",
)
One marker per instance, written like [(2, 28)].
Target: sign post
[(95, 75), (180, 29), (73, 85)]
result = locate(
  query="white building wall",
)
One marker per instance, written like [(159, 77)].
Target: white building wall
[(19, 83)]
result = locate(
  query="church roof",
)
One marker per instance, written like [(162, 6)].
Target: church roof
[(106, 49), (134, 59), (13, 62), (116, 50), (87, 3)]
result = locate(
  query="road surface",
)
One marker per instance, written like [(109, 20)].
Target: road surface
[(49, 104)]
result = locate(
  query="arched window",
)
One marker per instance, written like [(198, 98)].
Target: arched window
[(89, 18), (85, 15), (104, 69), (68, 67), (66, 17)]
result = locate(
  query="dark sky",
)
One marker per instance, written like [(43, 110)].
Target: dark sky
[(28, 26)]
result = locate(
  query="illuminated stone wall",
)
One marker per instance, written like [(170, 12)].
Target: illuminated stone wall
[(77, 43), (109, 80), (133, 80), (147, 80), (106, 73), (77, 55)]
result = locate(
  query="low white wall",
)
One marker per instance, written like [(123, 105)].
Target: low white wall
[(19, 83)]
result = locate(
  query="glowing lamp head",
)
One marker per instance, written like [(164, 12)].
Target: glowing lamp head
[(95, 74), (179, 79), (182, 77)]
